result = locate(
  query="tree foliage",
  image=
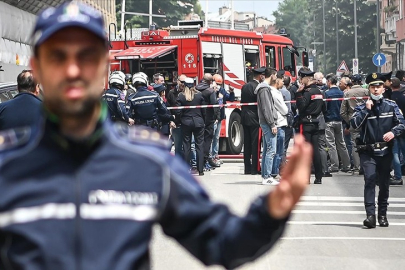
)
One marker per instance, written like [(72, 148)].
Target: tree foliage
[(306, 27), (174, 10)]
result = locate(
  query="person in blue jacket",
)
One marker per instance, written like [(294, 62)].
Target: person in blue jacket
[(25, 107), (379, 121), (76, 202), (115, 98)]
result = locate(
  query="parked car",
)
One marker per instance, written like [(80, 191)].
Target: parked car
[(8, 91)]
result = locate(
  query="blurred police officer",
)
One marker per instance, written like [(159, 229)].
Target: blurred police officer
[(24, 109), (310, 105), (380, 121), (115, 98), (250, 122), (144, 105)]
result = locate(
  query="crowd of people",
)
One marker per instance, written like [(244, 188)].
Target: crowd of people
[(353, 128), (194, 132), (69, 196)]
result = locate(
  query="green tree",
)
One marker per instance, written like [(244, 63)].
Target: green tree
[(174, 10), (294, 16), (366, 33), (304, 21)]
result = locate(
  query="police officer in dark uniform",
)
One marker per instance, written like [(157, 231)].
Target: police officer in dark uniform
[(310, 105), (115, 98), (250, 122), (380, 120), (145, 106)]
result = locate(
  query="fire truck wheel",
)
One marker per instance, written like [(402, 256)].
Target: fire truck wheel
[(235, 131)]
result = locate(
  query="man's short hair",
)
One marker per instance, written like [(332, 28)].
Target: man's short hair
[(395, 83), (156, 76), (26, 82), (269, 71), (332, 78), (208, 77)]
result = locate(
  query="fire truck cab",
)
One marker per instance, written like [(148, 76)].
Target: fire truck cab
[(194, 50)]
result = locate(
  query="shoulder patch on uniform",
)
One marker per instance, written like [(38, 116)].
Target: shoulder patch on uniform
[(13, 138), (142, 135)]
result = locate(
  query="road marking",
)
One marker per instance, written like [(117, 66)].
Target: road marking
[(318, 203), (340, 212), (296, 222), (343, 238), (346, 199)]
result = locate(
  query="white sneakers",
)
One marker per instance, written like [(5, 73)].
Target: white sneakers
[(270, 181)]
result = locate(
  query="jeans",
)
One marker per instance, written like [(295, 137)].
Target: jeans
[(397, 150), (177, 135), (215, 140), (278, 159), (269, 150)]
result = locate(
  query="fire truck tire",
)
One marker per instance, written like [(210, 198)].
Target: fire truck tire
[(235, 131)]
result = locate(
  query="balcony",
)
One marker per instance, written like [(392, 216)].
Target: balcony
[(390, 23)]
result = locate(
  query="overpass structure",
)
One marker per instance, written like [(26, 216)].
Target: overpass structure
[(17, 18)]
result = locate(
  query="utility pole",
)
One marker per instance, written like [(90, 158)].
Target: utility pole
[(378, 31), (337, 37), (150, 12), (324, 37), (355, 30)]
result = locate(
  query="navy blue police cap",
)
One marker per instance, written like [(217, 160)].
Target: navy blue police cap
[(306, 73), (260, 70), (375, 78), (387, 76), (159, 88), (68, 14), (356, 78)]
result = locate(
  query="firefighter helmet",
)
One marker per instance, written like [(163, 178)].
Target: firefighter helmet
[(128, 78), (140, 78), (218, 79), (117, 77)]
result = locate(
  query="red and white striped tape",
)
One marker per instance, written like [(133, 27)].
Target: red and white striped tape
[(255, 103)]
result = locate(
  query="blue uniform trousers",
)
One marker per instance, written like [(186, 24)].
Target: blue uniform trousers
[(376, 168)]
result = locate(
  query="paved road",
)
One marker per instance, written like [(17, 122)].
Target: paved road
[(325, 231)]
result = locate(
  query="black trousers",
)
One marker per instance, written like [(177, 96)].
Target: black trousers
[(289, 133), (311, 134), (208, 136), (250, 148), (376, 169), (198, 133)]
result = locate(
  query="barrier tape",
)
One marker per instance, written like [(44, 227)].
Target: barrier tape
[(255, 103)]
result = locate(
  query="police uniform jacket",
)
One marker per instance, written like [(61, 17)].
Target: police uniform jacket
[(145, 105), (250, 116), (383, 117), (23, 110), (193, 117), (116, 104), (310, 104), (78, 204)]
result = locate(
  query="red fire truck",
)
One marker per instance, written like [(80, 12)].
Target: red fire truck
[(194, 50)]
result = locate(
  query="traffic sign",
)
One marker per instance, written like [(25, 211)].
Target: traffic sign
[(355, 66), (379, 59), (342, 67)]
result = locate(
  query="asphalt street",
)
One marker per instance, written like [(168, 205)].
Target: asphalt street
[(324, 232)]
